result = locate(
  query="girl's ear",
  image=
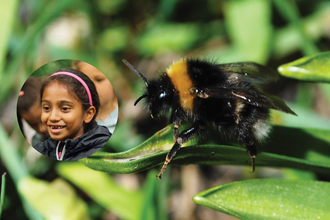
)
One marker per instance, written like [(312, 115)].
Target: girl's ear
[(89, 114)]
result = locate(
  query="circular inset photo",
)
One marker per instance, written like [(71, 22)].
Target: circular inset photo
[(67, 110)]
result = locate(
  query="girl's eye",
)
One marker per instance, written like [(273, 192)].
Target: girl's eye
[(99, 79), (65, 108), (45, 108)]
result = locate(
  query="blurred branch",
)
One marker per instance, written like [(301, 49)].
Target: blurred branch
[(15, 167), (7, 12), (289, 11), (52, 11), (11, 158)]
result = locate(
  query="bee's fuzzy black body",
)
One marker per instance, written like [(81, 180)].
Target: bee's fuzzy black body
[(210, 96)]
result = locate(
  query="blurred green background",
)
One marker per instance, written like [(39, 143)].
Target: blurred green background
[(151, 35)]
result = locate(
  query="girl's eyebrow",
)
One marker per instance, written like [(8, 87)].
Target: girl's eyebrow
[(66, 102), (61, 102)]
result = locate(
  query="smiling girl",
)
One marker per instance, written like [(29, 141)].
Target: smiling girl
[(70, 104)]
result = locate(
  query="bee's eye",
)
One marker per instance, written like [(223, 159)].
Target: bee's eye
[(162, 95)]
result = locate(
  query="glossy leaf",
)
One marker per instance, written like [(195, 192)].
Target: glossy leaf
[(306, 149), (315, 68), (269, 199)]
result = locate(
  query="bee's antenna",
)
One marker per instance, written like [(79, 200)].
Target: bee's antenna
[(136, 71), (141, 97)]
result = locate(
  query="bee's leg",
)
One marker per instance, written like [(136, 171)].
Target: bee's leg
[(247, 139), (252, 151), (176, 130), (182, 138), (176, 123), (169, 157)]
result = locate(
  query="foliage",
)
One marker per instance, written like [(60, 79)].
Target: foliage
[(2, 191), (276, 198), (152, 152), (269, 199), (313, 68), (64, 202), (151, 34)]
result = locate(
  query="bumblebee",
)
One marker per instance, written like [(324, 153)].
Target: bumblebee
[(206, 95)]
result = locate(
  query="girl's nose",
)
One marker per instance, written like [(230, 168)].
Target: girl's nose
[(54, 116)]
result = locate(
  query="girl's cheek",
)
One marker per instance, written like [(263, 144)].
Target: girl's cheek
[(44, 118)]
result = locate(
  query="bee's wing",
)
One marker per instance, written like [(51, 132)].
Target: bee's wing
[(251, 97), (250, 72)]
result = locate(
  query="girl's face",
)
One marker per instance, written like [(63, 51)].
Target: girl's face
[(32, 117), (62, 113)]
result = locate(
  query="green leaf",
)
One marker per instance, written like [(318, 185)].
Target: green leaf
[(148, 204), (2, 192), (11, 158), (50, 12), (307, 118), (315, 68), (299, 174), (290, 12), (55, 200), (250, 33), (114, 39), (15, 167), (162, 190), (269, 199), (288, 40), (306, 149), (159, 38), (8, 13), (103, 189)]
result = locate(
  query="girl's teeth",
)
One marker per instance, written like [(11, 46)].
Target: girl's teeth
[(57, 127)]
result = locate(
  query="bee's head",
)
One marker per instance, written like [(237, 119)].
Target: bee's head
[(158, 94), (158, 97)]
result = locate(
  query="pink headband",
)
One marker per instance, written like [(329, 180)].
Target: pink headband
[(80, 80)]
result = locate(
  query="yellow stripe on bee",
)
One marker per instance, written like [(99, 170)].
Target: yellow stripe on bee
[(178, 73)]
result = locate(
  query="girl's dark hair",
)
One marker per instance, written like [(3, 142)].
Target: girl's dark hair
[(30, 96), (77, 90), (31, 89)]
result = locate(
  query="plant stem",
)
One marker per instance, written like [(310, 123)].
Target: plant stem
[(3, 189)]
